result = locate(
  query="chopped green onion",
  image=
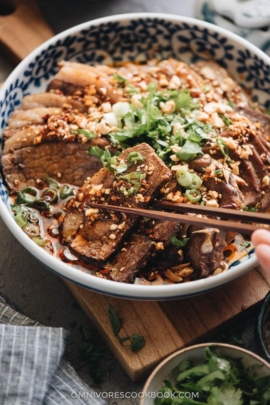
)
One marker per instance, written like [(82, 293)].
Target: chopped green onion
[(193, 195), (31, 230), (183, 177), (66, 191), (134, 157), (223, 147), (196, 182), (227, 121), (24, 198), (52, 183), (41, 205), (39, 241), (230, 103), (84, 132), (21, 220), (50, 195), (30, 190), (218, 172), (31, 216), (133, 176)]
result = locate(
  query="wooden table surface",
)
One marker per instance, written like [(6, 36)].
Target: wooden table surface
[(39, 293)]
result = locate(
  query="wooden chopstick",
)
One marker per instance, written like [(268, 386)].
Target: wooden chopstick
[(248, 216), (246, 229)]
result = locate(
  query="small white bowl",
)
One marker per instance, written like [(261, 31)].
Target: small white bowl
[(196, 355), (138, 37)]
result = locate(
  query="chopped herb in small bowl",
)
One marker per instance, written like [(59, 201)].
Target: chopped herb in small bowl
[(209, 374)]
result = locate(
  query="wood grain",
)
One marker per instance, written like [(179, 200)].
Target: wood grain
[(23, 30), (170, 325)]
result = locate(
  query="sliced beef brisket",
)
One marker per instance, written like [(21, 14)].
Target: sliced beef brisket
[(205, 249), (149, 238), (64, 161), (102, 232)]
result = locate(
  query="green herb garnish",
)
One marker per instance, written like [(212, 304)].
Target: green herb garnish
[(251, 209), (227, 121), (52, 183), (66, 191), (223, 148), (189, 151), (119, 78), (136, 342), (230, 103), (149, 123), (116, 322), (134, 157), (91, 352), (95, 151), (220, 380), (177, 242), (84, 132)]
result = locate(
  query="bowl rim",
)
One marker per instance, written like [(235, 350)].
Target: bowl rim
[(190, 349), (84, 279)]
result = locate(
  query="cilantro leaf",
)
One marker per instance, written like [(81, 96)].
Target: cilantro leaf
[(189, 151), (226, 395), (116, 322), (91, 352), (95, 151), (137, 342), (178, 242), (220, 380)]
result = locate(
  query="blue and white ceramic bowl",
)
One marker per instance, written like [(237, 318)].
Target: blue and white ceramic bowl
[(134, 37)]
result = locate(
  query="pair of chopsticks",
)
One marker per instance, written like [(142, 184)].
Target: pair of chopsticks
[(231, 215)]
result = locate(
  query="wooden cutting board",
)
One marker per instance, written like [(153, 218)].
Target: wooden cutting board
[(170, 325), (166, 325), (22, 27)]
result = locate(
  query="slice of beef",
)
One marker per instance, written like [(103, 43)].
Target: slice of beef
[(253, 170), (139, 248), (33, 116), (205, 249), (257, 117), (229, 194), (22, 137), (171, 256), (101, 234), (250, 187), (75, 77), (50, 99), (67, 162), (262, 147)]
